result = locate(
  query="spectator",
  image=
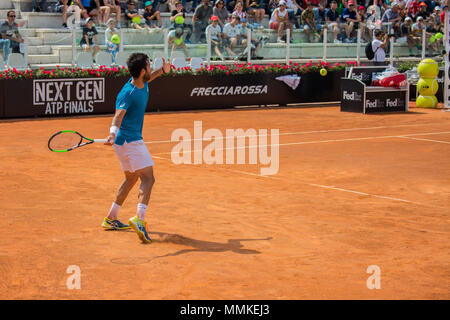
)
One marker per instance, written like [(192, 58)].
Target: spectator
[(372, 21), (114, 7), (362, 23), (273, 4), (38, 7), (216, 35), (232, 35), (414, 8), (86, 5), (89, 37), (279, 20), (111, 47), (200, 20), (444, 9), (417, 29), (151, 16), (239, 10), (392, 17), (422, 11), (9, 30), (411, 39), (321, 11), (435, 24), (180, 12), (6, 45), (176, 41), (194, 4), (101, 10), (221, 12), (349, 19), (333, 21), (255, 44), (155, 4), (378, 47), (294, 10), (75, 7), (310, 23), (253, 9), (135, 20)]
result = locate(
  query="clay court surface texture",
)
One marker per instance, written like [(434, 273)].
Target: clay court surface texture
[(352, 191)]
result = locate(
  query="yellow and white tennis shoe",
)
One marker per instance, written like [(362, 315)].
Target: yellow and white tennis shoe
[(141, 229), (114, 225)]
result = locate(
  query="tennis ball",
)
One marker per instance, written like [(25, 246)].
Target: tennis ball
[(426, 102), (432, 39), (115, 39), (428, 69), (136, 20), (323, 72), (179, 20), (427, 87), (438, 35), (178, 41)]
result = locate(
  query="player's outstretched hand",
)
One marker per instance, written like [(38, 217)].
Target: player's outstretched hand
[(110, 139), (166, 65)]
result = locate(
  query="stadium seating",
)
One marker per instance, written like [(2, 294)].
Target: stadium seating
[(2, 63), (196, 63), (121, 58), (84, 60), (103, 58), (16, 60)]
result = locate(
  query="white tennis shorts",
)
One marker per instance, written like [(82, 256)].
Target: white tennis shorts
[(133, 156)]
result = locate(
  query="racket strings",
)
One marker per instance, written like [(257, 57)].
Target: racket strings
[(65, 140)]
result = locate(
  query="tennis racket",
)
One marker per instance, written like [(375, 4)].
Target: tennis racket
[(68, 140)]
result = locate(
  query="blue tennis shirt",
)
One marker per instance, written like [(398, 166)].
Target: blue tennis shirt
[(134, 101)]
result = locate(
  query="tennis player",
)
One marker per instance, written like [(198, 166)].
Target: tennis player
[(126, 139)]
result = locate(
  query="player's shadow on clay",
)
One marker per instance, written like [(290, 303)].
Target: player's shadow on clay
[(233, 245)]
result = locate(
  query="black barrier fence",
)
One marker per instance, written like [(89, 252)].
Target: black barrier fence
[(68, 97)]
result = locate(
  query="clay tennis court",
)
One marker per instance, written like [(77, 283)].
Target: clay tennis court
[(352, 191)]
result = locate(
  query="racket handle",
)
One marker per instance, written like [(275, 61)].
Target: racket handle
[(100, 140)]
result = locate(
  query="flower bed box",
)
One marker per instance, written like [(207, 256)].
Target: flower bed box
[(68, 92)]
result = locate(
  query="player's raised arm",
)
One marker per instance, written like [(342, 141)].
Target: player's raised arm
[(164, 69), (115, 125)]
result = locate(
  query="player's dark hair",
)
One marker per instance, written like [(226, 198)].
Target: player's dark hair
[(9, 12), (136, 62)]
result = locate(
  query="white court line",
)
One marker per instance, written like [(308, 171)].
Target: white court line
[(337, 189), (310, 142), (153, 156), (304, 132), (429, 140)]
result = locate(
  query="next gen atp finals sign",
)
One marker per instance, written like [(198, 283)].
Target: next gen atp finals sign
[(68, 96)]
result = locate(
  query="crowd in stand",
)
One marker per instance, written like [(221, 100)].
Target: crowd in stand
[(227, 21)]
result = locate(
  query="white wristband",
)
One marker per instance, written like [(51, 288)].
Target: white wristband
[(114, 129)]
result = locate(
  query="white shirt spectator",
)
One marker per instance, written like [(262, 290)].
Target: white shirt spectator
[(290, 5), (215, 31), (281, 14), (380, 54), (231, 31)]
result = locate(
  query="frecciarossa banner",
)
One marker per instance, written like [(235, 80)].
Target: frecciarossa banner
[(81, 96)]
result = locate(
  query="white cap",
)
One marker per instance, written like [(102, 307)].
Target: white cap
[(282, 2), (419, 18), (408, 18), (437, 8)]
